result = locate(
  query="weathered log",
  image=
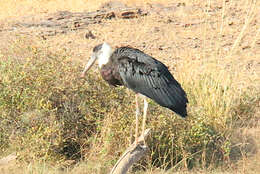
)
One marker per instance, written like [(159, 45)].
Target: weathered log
[(131, 155)]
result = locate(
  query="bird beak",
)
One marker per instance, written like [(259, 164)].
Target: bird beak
[(89, 64)]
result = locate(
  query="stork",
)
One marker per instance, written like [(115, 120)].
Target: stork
[(141, 73)]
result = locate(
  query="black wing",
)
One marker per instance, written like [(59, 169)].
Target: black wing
[(148, 76)]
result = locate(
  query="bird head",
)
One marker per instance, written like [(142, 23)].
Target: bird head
[(102, 53)]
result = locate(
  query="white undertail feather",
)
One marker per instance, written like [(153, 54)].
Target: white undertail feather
[(106, 52)]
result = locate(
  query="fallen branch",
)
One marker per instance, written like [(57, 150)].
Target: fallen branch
[(131, 155), (7, 159)]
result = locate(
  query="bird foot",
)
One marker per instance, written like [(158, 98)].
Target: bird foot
[(142, 138)]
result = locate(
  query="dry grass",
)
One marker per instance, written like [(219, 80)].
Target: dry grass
[(216, 59)]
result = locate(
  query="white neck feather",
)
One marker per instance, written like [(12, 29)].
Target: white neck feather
[(106, 52)]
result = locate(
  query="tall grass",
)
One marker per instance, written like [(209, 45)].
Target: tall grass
[(49, 114)]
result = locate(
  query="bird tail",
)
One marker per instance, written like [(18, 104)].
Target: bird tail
[(180, 111)]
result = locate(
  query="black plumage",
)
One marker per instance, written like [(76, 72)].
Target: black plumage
[(145, 75), (141, 73)]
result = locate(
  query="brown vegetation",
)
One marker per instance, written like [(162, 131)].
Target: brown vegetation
[(57, 122)]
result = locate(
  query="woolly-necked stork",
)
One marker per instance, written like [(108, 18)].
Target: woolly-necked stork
[(141, 73)]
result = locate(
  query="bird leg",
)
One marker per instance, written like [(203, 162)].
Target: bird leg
[(136, 118), (144, 116)]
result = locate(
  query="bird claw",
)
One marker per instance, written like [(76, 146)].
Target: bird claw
[(141, 140)]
